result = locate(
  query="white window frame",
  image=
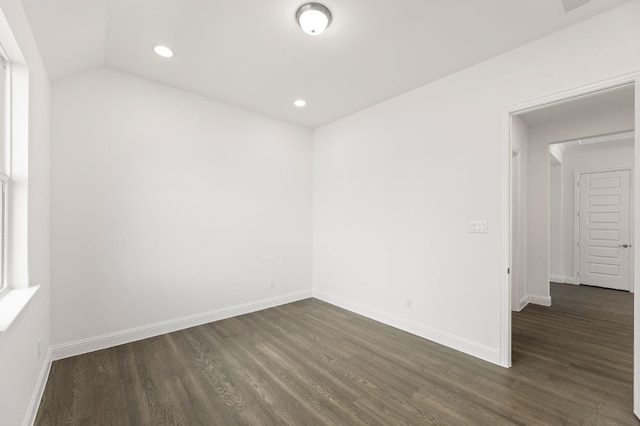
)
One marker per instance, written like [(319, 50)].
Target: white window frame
[(17, 289), (5, 180)]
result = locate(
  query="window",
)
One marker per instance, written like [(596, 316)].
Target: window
[(5, 135), (15, 288)]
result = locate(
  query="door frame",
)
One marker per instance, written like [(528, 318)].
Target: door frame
[(505, 160), (515, 209), (632, 208)]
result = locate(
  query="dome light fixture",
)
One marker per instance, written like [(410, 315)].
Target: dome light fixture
[(313, 18), (300, 103)]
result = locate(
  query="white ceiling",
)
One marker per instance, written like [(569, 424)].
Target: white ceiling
[(252, 54)]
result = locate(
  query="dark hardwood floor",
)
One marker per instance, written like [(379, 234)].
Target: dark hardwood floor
[(312, 363)]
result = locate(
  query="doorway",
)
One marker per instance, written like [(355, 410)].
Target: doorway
[(591, 207), (602, 237)]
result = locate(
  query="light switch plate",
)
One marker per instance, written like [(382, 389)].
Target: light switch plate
[(479, 227)]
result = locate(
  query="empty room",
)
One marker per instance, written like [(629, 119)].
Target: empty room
[(347, 212)]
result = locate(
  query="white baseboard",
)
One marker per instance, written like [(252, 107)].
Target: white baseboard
[(523, 303), (563, 279), (539, 300), (470, 347), (536, 300), (104, 341), (38, 391)]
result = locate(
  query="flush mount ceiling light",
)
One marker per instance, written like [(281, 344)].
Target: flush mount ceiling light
[(313, 18), (163, 51), (300, 103)]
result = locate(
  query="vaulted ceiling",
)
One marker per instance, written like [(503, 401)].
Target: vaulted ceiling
[(252, 54)]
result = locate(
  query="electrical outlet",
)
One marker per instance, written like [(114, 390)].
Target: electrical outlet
[(39, 348), (409, 303), (272, 285)]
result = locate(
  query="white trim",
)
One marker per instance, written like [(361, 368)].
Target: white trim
[(563, 279), (571, 280), (108, 340), (576, 226), (505, 157), (4, 228), (523, 302), (461, 344), (12, 303), (518, 262), (6, 171), (636, 265), (38, 391), (539, 300), (536, 300), (562, 207), (577, 92), (505, 258)]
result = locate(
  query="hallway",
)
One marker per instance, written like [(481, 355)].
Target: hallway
[(582, 347)]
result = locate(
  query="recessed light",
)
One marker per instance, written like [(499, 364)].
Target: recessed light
[(300, 103), (313, 18), (163, 51)]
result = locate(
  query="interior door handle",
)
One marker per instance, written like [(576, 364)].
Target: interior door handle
[(625, 245)]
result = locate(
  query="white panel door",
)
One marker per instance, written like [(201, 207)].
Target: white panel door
[(605, 231)]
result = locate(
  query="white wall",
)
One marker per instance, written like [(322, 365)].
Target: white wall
[(613, 155), (555, 219), (540, 136), (555, 213), (396, 185), (21, 370), (166, 206), (519, 137)]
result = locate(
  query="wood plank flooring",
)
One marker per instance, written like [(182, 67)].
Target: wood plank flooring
[(311, 363)]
